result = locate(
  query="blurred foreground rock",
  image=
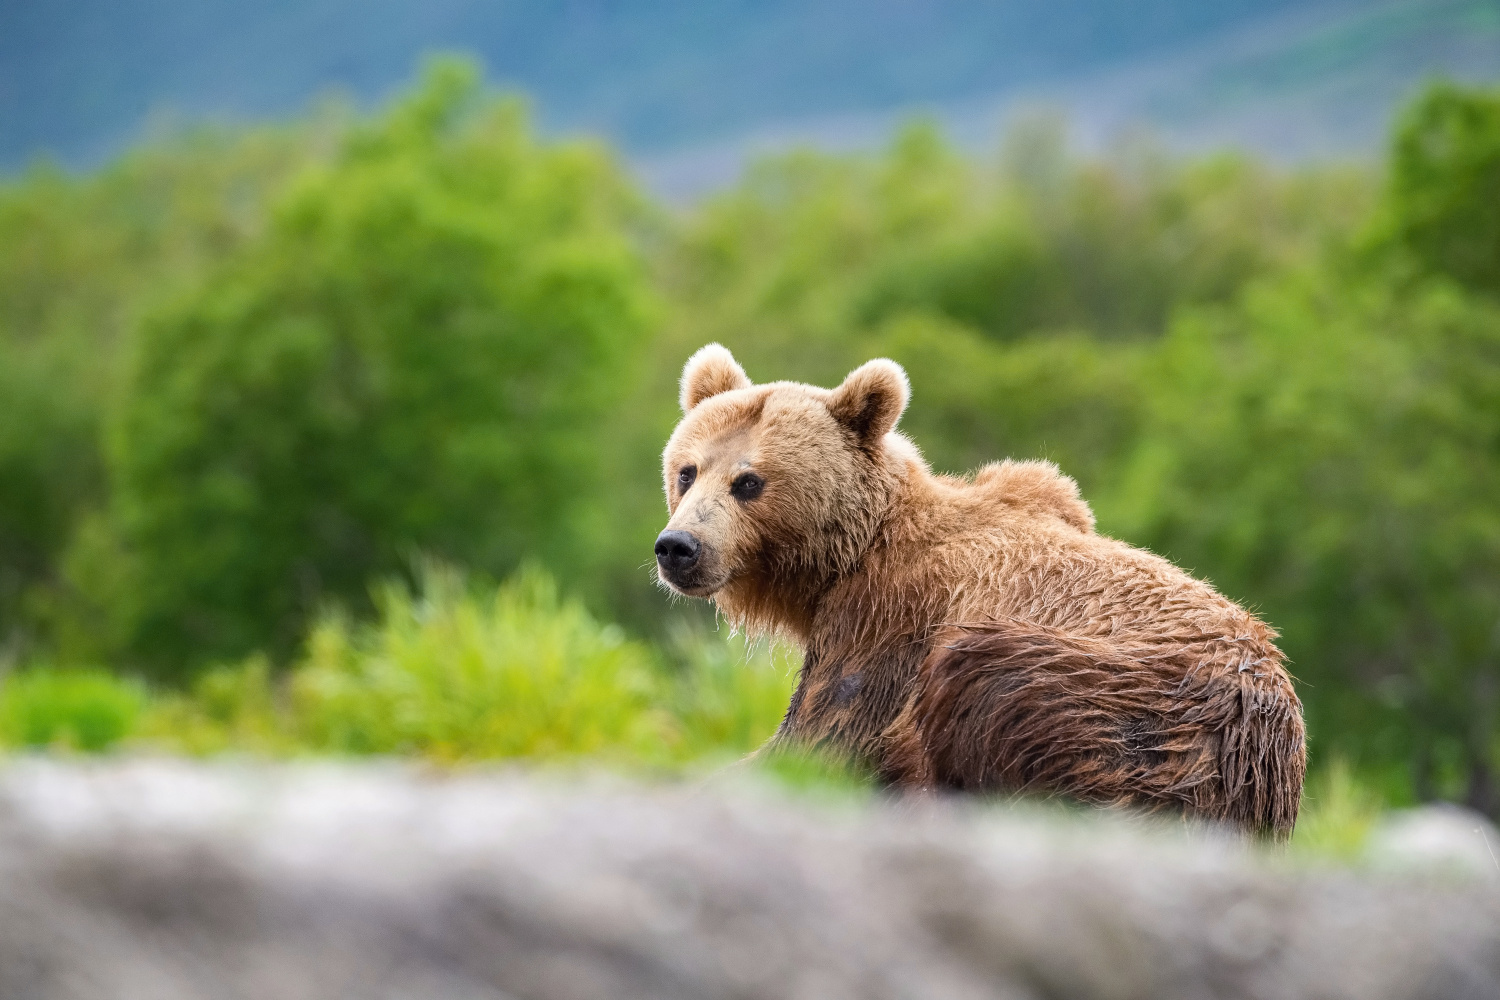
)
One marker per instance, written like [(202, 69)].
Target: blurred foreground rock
[(168, 881), (1441, 838)]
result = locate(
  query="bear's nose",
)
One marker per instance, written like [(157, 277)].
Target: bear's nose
[(677, 551)]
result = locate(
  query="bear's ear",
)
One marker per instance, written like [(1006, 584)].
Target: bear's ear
[(709, 372), (871, 400)]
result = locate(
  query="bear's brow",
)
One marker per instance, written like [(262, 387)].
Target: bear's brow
[(731, 449)]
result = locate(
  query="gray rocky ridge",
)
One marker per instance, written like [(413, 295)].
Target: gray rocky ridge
[(173, 881)]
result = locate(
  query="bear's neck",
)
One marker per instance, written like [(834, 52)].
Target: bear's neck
[(772, 605)]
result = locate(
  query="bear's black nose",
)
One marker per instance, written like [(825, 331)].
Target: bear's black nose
[(677, 552)]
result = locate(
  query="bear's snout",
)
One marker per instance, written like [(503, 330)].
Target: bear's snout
[(677, 553)]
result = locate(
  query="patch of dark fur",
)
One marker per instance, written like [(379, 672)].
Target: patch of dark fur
[(1009, 706)]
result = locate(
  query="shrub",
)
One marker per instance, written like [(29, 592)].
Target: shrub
[(1337, 814), (451, 670), (421, 352), (82, 710), (451, 674), (729, 693), (1445, 183), (80, 256)]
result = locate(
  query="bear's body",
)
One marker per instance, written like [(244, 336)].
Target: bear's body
[(969, 633)]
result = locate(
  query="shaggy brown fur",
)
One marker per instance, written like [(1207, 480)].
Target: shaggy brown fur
[(970, 633)]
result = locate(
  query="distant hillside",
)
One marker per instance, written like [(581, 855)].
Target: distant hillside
[(680, 84), (78, 77), (1318, 81)]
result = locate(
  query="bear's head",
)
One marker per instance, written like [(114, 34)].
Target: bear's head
[(777, 489)]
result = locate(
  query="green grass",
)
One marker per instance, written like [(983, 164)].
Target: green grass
[(1338, 813)]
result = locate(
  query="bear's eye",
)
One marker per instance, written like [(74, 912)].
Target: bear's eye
[(685, 477), (747, 486)]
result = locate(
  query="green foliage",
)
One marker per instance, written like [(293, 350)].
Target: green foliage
[(79, 258), (419, 353), (80, 710), (812, 252), (452, 675), (728, 694), (1337, 815), (812, 773), (1445, 184), (1111, 248), (228, 708), (457, 672), (1068, 398), (1329, 452), (49, 469)]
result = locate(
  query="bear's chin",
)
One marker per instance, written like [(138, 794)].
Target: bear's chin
[(692, 588)]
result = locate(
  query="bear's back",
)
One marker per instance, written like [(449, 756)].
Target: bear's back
[(1023, 544)]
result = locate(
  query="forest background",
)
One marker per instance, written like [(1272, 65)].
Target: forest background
[(281, 406)]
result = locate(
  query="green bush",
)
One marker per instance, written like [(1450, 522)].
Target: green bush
[(81, 710), (1328, 452), (797, 266), (1337, 814), (1067, 398), (456, 671), (81, 255), (422, 351), (728, 694), (1445, 183), (450, 674)]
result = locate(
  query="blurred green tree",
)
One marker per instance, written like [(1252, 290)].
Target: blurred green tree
[(423, 352), (813, 254), (80, 255), (1071, 399), (1329, 453), (1445, 183)]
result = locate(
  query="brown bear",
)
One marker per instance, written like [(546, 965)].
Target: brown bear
[(968, 632)]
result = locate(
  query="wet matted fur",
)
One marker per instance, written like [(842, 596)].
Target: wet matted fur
[(971, 633)]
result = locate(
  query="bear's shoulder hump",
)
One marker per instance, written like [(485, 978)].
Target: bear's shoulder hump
[(1037, 486)]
